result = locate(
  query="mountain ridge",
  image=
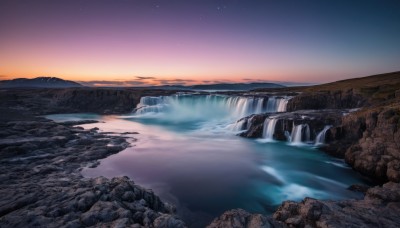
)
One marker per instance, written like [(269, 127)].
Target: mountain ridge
[(39, 82)]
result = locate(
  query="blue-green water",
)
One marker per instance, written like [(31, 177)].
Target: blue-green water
[(205, 169)]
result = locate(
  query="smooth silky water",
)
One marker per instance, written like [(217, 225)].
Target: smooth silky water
[(197, 163)]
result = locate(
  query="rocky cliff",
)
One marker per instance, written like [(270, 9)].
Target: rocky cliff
[(315, 119), (327, 100), (369, 140), (94, 100)]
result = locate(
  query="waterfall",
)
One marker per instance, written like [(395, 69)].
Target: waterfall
[(240, 125), (151, 105), (300, 133), (282, 105), (320, 139), (275, 104), (269, 128), (212, 105), (288, 136)]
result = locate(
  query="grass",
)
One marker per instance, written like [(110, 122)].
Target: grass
[(376, 88)]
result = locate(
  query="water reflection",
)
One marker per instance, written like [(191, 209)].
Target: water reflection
[(205, 170)]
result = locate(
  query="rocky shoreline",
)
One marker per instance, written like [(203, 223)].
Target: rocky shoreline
[(379, 208), (41, 184)]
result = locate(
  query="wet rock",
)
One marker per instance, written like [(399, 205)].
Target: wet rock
[(374, 141), (41, 184), (78, 122), (316, 120), (358, 188), (241, 218), (377, 209), (168, 221)]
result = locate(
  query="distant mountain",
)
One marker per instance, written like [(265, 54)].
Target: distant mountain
[(222, 86), (40, 82)]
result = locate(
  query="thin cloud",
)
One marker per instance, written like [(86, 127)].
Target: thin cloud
[(113, 83), (144, 78), (174, 81)]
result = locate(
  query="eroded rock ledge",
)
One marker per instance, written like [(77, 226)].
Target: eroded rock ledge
[(379, 208), (41, 186)]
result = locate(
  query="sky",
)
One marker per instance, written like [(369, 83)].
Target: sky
[(142, 42)]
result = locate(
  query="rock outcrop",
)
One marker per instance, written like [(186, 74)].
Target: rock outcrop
[(40, 183), (75, 100), (241, 218), (379, 208), (316, 119), (369, 140), (326, 100)]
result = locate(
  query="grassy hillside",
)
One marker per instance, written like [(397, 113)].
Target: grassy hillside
[(376, 87)]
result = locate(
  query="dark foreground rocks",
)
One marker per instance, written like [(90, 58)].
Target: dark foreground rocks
[(40, 183), (241, 218), (379, 208)]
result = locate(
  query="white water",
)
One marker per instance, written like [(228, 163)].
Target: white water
[(269, 128), (300, 134), (175, 157), (320, 139), (195, 106)]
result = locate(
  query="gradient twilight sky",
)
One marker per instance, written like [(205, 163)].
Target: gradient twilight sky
[(139, 42)]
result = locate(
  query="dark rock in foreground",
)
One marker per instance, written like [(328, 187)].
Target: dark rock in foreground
[(379, 208), (40, 183), (241, 218), (78, 122)]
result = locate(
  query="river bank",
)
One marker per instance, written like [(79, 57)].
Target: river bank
[(41, 184)]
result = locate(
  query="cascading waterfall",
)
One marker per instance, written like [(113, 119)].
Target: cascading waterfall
[(269, 128), (211, 106), (288, 136), (151, 105), (239, 125), (320, 139), (276, 104), (282, 105), (300, 133)]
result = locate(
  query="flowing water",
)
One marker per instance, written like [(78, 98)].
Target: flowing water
[(188, 154)]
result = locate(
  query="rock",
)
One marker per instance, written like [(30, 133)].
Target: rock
[(41, 184), (358, 188), (78, 122), (316, 120), (375, 143), (377, 209), (326, 100), (168, 221), (241, 218)]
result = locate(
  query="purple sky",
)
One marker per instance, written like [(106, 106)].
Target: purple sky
[(186, 42)]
